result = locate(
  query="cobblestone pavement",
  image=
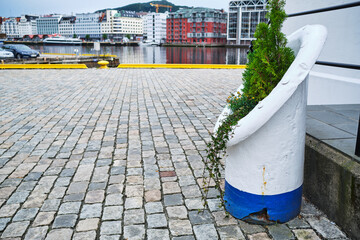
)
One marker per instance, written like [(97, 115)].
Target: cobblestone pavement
[(116, 154)]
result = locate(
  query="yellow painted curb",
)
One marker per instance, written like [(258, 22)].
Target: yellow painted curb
[(183, 66), (85, 55), (65, 54), (101, 55), (43, 66)]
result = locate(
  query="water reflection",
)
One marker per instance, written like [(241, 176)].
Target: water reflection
[(153, 54)]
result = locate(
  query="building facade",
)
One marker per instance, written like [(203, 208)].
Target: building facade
[(155, 27), (127, 23), (88, 24), (67, 26), (243, 17), (27, 25), (48, 24), (107, 23), (11, 27), (197, 25)]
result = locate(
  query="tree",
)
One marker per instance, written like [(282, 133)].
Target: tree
[(87, 37), (267, 64), (74, 36), (270, 58), (105, 36)]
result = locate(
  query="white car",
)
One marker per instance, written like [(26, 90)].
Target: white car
[(5, 54)]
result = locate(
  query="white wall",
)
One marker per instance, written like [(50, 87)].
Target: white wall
[(331, 85)]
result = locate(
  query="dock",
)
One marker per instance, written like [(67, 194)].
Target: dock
[(117, 153)]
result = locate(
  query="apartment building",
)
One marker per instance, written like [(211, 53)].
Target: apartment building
[(197, 25), (243, 17), (10, 27), (107, 23), (127, 23), (67, 26), (48, 24), (88, 24), (27, 25), (155, 27)]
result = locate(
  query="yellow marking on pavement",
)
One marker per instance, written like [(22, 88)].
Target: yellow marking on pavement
[(85, 55), (183, 66), (43, 66)]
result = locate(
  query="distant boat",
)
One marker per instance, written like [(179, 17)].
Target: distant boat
[(62, 40), (149, 44)]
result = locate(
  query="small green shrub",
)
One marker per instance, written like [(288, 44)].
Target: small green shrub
[(267, 64)]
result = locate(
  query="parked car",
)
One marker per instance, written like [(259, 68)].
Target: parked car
[(5, 54), (21, 51)]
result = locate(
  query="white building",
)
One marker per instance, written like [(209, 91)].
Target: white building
[(67, 26), (11, 28), (243, 17), (127, 23), (27, 25), (107, 23), (155, 27), (335, 79), (88, 24), (48, 24)]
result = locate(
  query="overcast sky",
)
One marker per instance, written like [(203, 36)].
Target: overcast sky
[(14, 8)]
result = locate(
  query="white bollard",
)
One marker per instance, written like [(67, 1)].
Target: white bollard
[(265, 156)]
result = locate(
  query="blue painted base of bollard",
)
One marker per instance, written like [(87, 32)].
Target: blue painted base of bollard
[(262, 209)]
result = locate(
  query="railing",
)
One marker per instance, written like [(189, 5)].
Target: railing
[(327, 9), (341, 65), (332, 64)]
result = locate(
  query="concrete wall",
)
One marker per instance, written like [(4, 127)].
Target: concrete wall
[(331, 85), (332, 183)]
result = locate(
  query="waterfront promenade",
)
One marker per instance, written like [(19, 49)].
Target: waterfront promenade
[(116, 154)]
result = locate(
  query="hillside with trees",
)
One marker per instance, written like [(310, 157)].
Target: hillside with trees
[(146, 7)]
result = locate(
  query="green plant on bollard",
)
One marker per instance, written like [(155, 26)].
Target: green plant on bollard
[(267, 64)]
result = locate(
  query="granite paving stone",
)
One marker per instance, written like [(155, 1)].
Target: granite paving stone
[(306, 234), (280, 232), (25, 214), (180, 227), (173, 200), (8, 210), (134, 232), (134, 216), (156, 221), (110, 227), (231, 232), (36, 233), (259, 236), (112, 213), (3, 222), (117, 154), (91, 210), (200, 217), (155, 234), (59, 234), (154, 207), (16, 229), (177, 212), (205, 232), (84, 235), (65, 221), (326, 228), (87, 224), (43, 218)]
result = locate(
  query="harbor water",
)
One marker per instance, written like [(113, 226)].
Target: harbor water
[(158, 55)]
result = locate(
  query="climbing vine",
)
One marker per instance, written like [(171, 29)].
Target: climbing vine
[(267, 64)]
